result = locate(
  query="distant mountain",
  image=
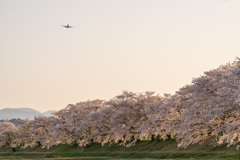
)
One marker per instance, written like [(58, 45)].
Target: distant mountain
[(22, 113), (48, 113)]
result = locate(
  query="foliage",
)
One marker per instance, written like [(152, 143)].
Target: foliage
[(15, 121), (206, 109), (8, 132)]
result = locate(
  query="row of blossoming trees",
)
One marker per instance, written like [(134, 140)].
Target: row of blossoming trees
[(207, 109)]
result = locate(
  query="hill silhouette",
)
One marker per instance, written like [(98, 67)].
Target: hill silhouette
[(22, 113)]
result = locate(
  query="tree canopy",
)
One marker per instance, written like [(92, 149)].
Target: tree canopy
[(206, 109)]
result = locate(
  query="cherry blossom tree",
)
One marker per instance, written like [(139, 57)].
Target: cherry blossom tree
[(8, 132), (129, 111), (69, 126), (96, 126), (40, 129), (206, 109), (213, 107), (25, 137), (156, 115)]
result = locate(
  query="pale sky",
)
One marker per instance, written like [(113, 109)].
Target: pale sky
[(115, 45)]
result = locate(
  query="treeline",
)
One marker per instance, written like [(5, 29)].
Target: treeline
[(15, 121), (207, 109)]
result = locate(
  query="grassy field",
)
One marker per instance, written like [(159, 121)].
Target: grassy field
[(145, 150)]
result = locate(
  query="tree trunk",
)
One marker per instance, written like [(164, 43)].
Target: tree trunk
[(132, 138), (39, 143), (91, 140), (119, 141), (168, 137), (153, 138), (158, 138)]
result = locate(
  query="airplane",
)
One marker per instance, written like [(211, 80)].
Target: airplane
[(67, 26)]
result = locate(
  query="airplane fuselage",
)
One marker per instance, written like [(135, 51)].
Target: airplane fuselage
[(67, 26)]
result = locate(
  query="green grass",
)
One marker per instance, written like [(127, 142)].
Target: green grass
[(145, 150)]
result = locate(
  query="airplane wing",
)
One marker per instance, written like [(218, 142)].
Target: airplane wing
[(67, 26)]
